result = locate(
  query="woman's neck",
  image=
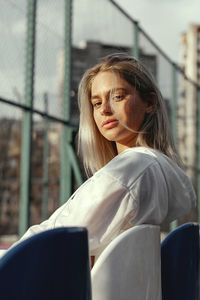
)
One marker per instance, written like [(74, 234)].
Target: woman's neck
[(121, 147)]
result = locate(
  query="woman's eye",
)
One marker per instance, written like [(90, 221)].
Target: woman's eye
[(118, 97), (97, 104)]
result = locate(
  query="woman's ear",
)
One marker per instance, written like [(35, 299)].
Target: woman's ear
[(152, 103)]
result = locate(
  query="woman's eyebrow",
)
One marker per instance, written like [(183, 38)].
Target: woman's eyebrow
[(94, 97), (119, 88)]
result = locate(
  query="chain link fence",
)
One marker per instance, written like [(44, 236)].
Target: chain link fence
[(95, 29)]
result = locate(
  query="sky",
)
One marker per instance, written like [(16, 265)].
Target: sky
[(164, 20)]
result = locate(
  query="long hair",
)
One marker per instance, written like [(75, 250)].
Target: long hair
[(155, 132)]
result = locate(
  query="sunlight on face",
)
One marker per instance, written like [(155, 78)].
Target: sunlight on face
[(118, 108)]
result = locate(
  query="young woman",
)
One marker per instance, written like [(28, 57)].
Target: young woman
[(126, 145)]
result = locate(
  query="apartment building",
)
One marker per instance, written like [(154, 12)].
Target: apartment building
[(187, 109)]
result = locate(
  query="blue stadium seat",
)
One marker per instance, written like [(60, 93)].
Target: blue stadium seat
[(50, 265), (180, 263)]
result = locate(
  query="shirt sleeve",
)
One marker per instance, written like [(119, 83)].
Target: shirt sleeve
[(102, 205), (162, 195), (151, 195), (2, 252)]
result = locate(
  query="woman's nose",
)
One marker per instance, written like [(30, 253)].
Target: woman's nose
[(106, 108)]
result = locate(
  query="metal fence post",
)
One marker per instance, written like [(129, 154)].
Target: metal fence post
[(198, 151), (26, 139), (74, 164), (66, 136), (135, 50), (173, 119), (45, 163), (174, 104)]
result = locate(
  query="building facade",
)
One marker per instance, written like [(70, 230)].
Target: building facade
[(187, 109)]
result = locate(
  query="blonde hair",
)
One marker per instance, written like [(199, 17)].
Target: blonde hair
[(155, 132)]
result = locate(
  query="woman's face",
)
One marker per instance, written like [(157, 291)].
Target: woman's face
[(116, 103)]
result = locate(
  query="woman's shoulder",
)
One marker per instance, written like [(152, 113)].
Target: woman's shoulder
[(136, 162), (130, 164), (138, 157)]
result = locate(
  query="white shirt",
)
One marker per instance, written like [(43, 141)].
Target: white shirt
[(138, 186)]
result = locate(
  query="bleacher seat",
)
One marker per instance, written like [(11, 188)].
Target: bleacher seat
[(52, 265), (180, 263)]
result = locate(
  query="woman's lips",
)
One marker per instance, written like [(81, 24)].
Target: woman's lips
[(108, 124)]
